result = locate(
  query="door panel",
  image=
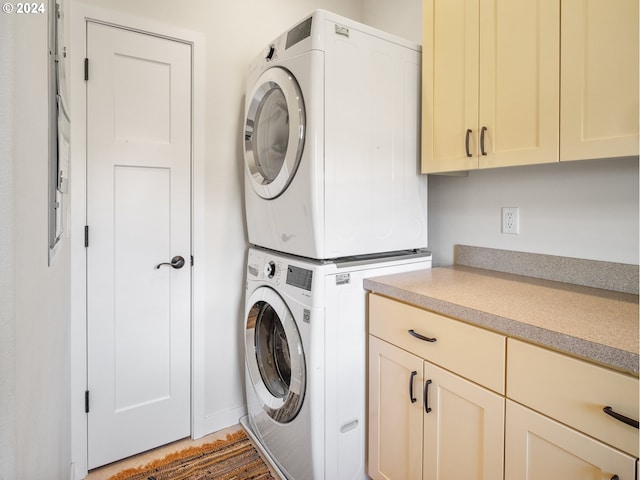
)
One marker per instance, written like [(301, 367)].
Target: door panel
[(395, 419), (599, 89), (142, 317), (450, 83), (465, 421), (138, 213), (519, 82)]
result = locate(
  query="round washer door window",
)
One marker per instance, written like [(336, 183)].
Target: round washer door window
[(274, 355), (274, 132)]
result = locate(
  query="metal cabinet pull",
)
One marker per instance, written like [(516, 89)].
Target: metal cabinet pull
[(421, 337), (466, 142), (482, 132), (411, 397), (177, 262), (615, 477), (629, 421), (426, 396)]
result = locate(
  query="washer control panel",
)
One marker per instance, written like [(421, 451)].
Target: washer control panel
[(262, 266), (299, 277)]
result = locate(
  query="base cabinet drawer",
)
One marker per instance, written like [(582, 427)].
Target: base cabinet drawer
[(574, 392), (538, 448), (471, 352)]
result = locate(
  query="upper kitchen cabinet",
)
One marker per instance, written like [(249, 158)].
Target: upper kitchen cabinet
[(599, 87), (491, 82)]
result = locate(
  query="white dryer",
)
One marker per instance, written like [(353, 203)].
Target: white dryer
[(331, 142), (305, 351)]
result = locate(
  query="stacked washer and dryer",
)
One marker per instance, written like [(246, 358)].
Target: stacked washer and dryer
[(333, 195)]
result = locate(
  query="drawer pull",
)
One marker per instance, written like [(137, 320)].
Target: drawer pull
[(420, 337), (629, 421), (426, 396), (411, 397), (466, 142)]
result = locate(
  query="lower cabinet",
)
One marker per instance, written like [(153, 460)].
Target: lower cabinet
[(428, 423), (539, 448), (451, 401)]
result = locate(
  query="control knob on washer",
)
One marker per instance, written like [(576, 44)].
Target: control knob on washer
[(270, 52), (270, 269)]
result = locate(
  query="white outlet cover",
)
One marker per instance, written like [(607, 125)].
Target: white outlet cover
[(511, 220)]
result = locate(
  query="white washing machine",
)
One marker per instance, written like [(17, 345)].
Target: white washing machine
[(332, 142), (305, 351)]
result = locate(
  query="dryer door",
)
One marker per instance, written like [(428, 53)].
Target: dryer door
[(274, 355), (274, 132)]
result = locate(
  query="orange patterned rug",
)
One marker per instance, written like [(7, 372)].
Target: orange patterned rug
[(232, 459)]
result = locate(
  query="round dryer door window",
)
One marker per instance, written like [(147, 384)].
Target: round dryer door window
[(274, 355), (274, 132)]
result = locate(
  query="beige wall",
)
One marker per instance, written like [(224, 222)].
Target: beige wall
[(34, 297), (400, 17), (585, 209)]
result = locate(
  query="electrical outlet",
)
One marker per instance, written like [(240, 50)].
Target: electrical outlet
[(511, 220)]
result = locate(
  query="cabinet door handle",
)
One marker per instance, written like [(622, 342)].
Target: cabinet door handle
[(615, 477), (466, 142), (629, 421), (426, 396), (482, 150), (421, 337), (411, 397)]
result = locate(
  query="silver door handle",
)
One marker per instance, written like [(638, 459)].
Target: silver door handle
[(177, 262)]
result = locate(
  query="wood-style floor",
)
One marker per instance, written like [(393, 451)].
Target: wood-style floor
[(103, 473)]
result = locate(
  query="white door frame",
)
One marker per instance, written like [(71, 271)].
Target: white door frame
[(79, 14)]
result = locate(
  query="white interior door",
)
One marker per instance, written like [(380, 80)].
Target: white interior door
[(139, 216)]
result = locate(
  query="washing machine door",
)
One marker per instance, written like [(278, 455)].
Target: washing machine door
[(274, 132), (274, 355)]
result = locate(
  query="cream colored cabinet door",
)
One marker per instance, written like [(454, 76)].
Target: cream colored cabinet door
[(450, 59), (395, 413), (490, 83), (538, 448), (463, 429), (519, 82), (599, 90)]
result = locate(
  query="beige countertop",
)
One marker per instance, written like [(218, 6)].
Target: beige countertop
[(596, 324)]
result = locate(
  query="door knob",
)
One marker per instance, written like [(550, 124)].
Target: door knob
[(176, 262)]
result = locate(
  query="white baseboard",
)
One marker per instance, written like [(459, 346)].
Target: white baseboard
[(218, 421)]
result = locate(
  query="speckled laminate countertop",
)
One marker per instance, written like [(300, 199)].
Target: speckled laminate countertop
[(596, 324)]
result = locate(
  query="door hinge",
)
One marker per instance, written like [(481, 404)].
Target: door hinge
[(86, 236), (192, 260), (86, 69), (86, 401)]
